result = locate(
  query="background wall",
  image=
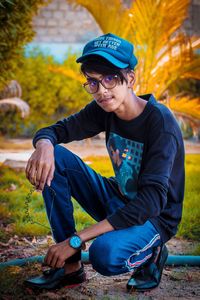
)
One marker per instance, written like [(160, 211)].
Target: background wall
[(59, 26), (60, 22)]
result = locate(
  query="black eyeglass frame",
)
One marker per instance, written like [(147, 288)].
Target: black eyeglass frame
[(101, 81)]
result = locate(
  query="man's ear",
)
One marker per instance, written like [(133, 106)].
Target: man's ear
[(131, 79)]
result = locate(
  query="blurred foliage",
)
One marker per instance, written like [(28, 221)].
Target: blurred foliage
[(185, 87), (15, 32), (165, 53), (188, 106), (10, 124), (186, 130), (50, 95)]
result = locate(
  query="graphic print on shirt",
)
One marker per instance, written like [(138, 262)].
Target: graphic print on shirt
[(126, 157)]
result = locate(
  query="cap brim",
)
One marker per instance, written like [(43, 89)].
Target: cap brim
[(107, 56)]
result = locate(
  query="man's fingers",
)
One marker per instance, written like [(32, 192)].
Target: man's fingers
[(28, 168), (54, 260), (60, 263), (42, 173), (50, 175), (39, 173), (57, 261), (43, 177), (31, 170), (48, 258), (32, 174), (51, 257)]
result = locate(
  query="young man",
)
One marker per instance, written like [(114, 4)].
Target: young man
[(136, 211)]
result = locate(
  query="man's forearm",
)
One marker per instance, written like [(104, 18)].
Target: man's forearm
[(95, 230)]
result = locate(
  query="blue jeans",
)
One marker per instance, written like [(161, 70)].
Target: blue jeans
[(111, 253)]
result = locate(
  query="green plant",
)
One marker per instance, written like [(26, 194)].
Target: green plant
[(16, 31), (196, 251), (190, 224)]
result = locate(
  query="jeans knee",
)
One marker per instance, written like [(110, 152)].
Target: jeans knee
[(63, 157), (59, 151), (103, 257)]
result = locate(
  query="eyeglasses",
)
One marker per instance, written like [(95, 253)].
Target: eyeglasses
[(108, 82)]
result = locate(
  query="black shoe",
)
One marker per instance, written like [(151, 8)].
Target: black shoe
[(56, 278), (148, 276)]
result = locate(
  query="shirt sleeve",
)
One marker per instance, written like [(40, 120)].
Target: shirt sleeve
[(84, 124), (153, 184)]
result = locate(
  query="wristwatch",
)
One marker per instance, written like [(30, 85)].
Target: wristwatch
[(75, 242)]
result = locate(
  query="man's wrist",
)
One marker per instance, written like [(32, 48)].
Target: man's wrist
[(76, 242), (43, 141)]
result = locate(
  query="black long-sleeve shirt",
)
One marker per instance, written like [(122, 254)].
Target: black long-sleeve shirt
[(147, 154)]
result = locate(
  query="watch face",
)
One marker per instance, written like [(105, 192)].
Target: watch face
[(75, 242)]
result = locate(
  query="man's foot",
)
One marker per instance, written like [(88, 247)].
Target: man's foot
[(56, 278), (148, 276), (72, 267)]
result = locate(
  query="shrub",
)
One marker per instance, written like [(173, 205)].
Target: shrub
[(16, 31), (51, 95)]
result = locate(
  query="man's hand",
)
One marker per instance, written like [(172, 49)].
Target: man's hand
[(40, 167), (57, 254)]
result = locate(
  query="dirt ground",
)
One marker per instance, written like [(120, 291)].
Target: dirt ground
[(176, 283)]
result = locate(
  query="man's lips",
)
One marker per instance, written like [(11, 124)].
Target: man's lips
[(105, 99)]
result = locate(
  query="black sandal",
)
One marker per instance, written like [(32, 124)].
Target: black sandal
[(148, 276)]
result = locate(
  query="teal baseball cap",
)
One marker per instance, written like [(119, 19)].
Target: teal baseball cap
[(116, 50)]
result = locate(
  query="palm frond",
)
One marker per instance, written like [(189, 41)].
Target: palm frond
[(109, 15), (165, 53), (185, 105), (70, 73)]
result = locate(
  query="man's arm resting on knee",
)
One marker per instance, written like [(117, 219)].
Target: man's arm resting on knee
[(95, 230)]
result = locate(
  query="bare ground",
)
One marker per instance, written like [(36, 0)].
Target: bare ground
[(176, 283)]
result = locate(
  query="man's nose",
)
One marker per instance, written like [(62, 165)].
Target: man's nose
[(101, 88)]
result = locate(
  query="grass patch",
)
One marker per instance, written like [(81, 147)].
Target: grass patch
[(190, 224), (196, 250), (15, 187)]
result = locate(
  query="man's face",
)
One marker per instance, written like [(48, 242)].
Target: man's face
[(109, 99)]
